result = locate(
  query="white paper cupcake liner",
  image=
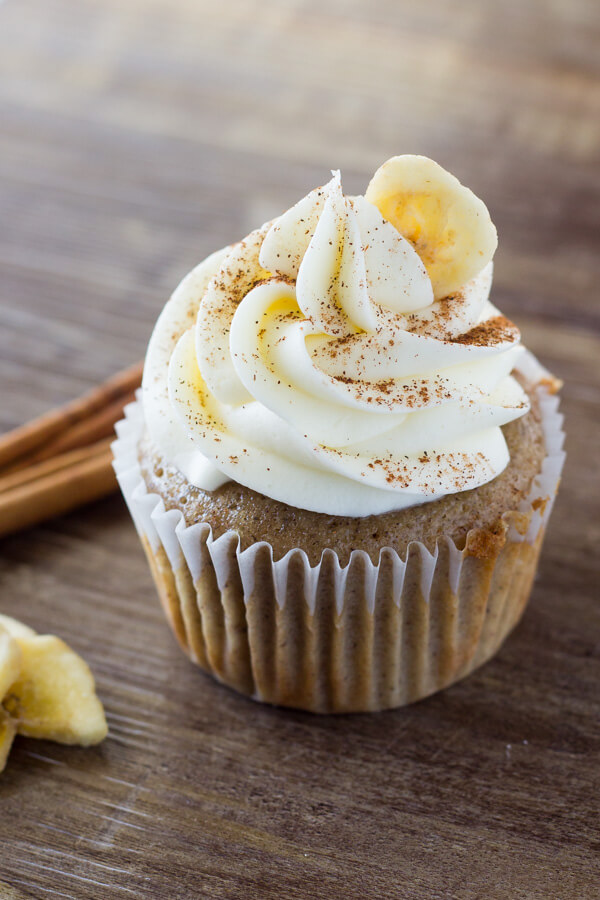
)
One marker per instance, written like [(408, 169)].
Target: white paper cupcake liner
[(332, 638)]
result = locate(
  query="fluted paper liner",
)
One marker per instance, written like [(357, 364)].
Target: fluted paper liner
[(329, 638)]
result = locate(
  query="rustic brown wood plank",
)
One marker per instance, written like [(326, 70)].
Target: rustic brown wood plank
[(135, 138)]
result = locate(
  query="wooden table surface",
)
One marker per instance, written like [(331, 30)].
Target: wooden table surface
[(135, 137)]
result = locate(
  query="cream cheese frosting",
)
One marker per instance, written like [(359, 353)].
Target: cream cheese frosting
[(311, 363)]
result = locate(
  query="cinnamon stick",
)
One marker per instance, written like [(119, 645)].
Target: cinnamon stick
[(28, 474), (101, 424), (57, 492), (35, 434)]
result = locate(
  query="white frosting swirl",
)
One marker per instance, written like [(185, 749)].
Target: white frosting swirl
[(311, 363)]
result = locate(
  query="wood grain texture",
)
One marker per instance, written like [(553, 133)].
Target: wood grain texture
[(137, 136)]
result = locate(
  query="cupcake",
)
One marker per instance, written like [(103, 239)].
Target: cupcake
[(342, 460)]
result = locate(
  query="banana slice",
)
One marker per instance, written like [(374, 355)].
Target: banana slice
[(54, 695), (8, 729), (449, 227)]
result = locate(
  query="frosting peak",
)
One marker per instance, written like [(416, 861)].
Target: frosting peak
[(321, 371), (346, 259)]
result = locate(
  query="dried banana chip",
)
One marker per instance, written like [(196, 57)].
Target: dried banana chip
[(11, 661), (8, 729), (54, 696), (15, 629)]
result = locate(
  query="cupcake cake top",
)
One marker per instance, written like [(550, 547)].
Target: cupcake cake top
[(345, 357)]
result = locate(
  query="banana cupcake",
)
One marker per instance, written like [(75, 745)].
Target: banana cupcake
[(343, 460)]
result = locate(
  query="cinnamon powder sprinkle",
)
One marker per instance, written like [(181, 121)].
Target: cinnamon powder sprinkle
[(498, 330)]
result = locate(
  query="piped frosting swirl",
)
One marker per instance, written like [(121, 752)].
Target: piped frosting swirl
[(310, 362)]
